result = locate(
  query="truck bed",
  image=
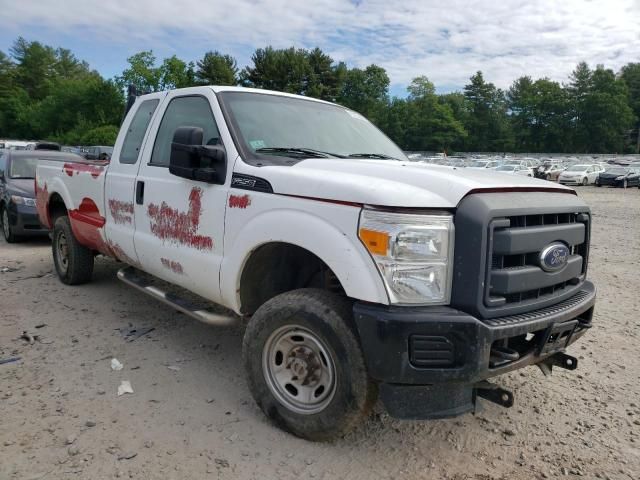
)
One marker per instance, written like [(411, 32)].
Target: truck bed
[(80, 185)]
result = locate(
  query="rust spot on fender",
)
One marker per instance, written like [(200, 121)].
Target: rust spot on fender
[(121, 211), (175, 267), (42, 204), (76, 168), (239, 201), (180, 227)]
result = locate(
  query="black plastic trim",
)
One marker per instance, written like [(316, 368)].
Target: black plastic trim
[(385, 333)]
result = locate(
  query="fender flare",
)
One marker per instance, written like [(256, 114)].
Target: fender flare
[(348, 260)]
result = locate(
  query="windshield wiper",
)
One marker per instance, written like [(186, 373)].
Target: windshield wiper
[(380, 156), (310, 152)]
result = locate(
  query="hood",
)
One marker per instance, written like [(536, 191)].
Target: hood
[(24, 187), (390, 183), (612, 175)]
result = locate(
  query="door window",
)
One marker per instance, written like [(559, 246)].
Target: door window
[(193, 111), (137, 128)]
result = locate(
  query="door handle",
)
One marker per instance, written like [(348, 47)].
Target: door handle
[(139, 192)]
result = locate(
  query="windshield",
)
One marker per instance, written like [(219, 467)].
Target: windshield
[(506, 168), (23, 167), (617, 171), (275, 124), (577, 168)]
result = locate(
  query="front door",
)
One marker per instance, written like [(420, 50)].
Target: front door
[(180, 222)]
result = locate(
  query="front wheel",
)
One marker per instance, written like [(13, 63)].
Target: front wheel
[(304, 364), (7, 231), (585, 182), (73, 262)]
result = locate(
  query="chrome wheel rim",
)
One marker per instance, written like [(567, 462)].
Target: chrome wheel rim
[(5, 224), (62, 252), (299, 369)]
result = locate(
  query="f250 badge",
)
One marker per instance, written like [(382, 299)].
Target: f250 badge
[(554, 257)]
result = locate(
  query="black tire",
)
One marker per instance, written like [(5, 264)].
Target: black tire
[(7, 231), (598, 184), (585, 182), (328, 317), (76, 265)]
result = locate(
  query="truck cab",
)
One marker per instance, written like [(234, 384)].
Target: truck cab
[(359, 273)]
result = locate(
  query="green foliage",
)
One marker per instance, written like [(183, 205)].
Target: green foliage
[(217, 69), (48, 93), (104, 135)]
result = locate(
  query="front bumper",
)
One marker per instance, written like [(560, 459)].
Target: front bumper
[(428, 359), (570, 181), (24, 220)]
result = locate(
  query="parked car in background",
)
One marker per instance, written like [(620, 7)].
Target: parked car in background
[(580, 175), (69, 149), (46, 146), (549, 171), (18, 215), (619, 177), (98, 152), (515, 169), (484, 164)]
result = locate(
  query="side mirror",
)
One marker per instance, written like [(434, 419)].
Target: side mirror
[(190, 159)]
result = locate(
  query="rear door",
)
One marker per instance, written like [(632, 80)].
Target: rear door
[(180, 222), (121, 178)]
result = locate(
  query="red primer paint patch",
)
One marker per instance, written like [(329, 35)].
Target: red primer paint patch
[(121, 211), (77, 168), (42, 205), (86, 223), (239, 201), (175, 267), (180, 227)]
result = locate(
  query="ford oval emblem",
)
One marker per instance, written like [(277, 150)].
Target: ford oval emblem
[(554, 257)]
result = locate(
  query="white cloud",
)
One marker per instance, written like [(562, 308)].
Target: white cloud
[(447, 41)]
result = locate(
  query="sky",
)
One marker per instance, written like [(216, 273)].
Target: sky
[(446, 41)]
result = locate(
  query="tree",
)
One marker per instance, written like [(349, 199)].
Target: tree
[(630, 74), (311, 73), (487, 122), (600, 111), (176, 73), (216, 69), (366, 91), (35, 67), (141, 72)]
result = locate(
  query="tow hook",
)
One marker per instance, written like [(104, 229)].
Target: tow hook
[(493, 393), (560, 360)]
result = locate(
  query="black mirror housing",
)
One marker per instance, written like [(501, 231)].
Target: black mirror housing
[(190, 159)]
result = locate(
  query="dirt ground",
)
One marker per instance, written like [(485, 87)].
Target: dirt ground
[(191, 415)]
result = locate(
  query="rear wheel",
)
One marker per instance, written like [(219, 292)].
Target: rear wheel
[(304, 364), (7, 231), (73, 262)]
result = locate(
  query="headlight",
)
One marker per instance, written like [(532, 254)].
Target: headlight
[(29, 202), (413, 254), (621, 177)]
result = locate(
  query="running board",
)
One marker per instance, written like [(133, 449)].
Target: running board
[(131, 277)]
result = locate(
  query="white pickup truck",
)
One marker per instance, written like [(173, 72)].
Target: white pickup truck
[(359, 273)]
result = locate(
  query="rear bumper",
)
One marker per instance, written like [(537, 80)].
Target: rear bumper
[(440, 353)]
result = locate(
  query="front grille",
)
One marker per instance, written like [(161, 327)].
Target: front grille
[(499, 237), (514, 275)]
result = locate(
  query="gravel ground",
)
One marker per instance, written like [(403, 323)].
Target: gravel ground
[(191, 415)]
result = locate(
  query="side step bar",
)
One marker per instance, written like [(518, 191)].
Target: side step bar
[(130, 276)]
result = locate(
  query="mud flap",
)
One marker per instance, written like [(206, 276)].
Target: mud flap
[(422, 402)]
